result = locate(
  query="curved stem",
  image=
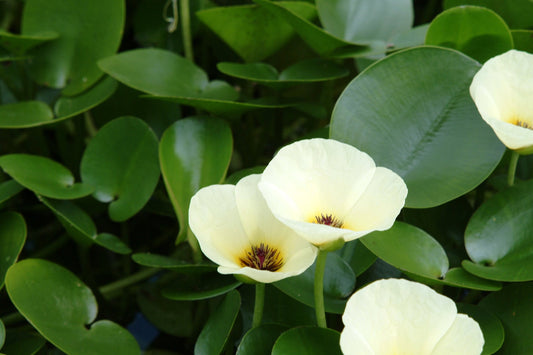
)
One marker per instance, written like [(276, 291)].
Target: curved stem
[(512, 167), (106, 290), (319, 288), (259, 304), (186, 29)]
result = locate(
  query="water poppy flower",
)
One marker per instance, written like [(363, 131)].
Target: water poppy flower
[(237, 231), (397, 316)]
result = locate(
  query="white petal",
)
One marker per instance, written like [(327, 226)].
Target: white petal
[(215, 221), (463, 338), (313, 177), (399, 316), (352, 343), (380, 204), (512, 136)]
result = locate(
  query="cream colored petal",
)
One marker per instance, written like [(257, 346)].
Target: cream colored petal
[(463, 338), (352, 343), (399, 317), (380, 204), (215, 221), (512, 136), (315, 176)]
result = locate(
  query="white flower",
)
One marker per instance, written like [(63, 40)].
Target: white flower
[(236, 230), (503, 93), (405, 318), (329, 191)]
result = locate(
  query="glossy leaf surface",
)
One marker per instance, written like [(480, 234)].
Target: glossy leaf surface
[(12, 239), (260, 340), (308, 340)]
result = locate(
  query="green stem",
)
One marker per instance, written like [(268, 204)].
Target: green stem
[(195, 246), (259, 304), (319, 288), (512, 167), (186, 29), (108, 289)]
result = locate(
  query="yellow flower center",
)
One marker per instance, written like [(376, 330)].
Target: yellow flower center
[(328, 220), (520, 122), (262, 257), (524, 124)]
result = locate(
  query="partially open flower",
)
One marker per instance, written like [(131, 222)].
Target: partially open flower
[(329, 191), (503, 93), (236, 230), (403, 317)]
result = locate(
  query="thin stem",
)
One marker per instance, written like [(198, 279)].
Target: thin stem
[(512, 167), (319, 288), (259, 304), (186, 29), (89, 124), (108, 289), (195, 247)]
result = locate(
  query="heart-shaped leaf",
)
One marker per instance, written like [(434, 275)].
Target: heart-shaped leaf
[(308, 340), (43, 176), (88, 31), (216, 332), (252, 31), (412, 250), (497, 238), (339, 282), (12, 239), (65, 311), (193, 153), (417, 135), (121, 162), (81, 228), (516, 13), (478, 32), (260, 340)]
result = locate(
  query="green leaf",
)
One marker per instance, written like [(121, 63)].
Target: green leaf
[(490, 325), (414, 251), (88, 31), (516, 13), (65, 311), (363, 21), (253, 32), (216, 332), (2, 334), (196, 286), (417, 136), (25, 114), (308, 341), (477, 31), (339, 283), (19, 44), (319, 40), (523, 40), (9, 189), (12, 239), (497, 236), (43, 176), (260, 340), (193, 153), (81, 228), (121, 162), (166, 262), (357, 256), (22, 342), (514, 308)]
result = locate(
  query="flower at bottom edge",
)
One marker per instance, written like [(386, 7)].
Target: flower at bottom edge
[(401, 317), (237, 231)]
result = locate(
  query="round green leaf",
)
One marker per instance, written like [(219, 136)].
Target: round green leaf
[(43, 176), (415, 122), (2, 334), (498, 236), (475, 31), (195, 286), (523, 40), (252, 31), (65, 311), (362, 21), (9, 189), (121, 162), (25, 114), (217, 330), (319, 40), (516, 13), (12, 239), (260, 340), (412, 250), (88, 31), (81, 228), (357, 256), (308, 341), (490, 325), (339, 283), (166, 262), (19, 44), (22, 342), (514, 308), (193, 153)]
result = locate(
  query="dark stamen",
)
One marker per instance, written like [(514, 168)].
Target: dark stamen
[(328, 220), (262, 257), (524, 124)]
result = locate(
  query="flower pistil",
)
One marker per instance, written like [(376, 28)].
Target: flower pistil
[(328, 220), (262, 257)]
